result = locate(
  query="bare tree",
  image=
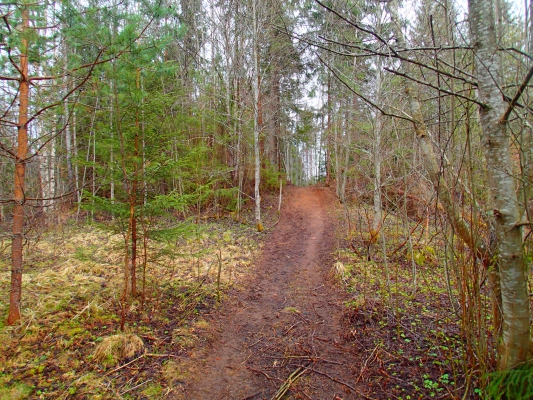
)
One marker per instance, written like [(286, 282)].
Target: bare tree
[(504, 258)]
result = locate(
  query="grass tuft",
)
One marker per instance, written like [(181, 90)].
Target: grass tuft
[(113, 349)]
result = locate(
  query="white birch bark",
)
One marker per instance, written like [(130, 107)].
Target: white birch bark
[(515, 340), (47, 174), (257, 127), (376, 148)]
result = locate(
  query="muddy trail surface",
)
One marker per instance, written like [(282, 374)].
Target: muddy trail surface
[(282, 333)]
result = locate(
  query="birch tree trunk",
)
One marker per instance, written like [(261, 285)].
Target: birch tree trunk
[(376, 150), (461, 227), (257, 127), (68, 141), (47, 174), (515, 340)]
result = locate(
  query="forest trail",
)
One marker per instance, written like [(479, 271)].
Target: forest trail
[(287, 319)]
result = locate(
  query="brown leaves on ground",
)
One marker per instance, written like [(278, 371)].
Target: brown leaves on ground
[(68, 342)]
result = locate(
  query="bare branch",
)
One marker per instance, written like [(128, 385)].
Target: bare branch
[(6, 21), (435, 87), (383, 112), (85, 79), (8, 151), (7, 122), (357, 26), (371, 53), (8, 78), (13, 62), (13, 100), (435, 48), (516, 97), (523, 53)]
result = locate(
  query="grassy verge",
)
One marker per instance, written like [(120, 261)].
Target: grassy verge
[(405, 316), (68, 345)]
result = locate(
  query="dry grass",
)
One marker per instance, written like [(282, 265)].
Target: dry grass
[(117, 348), (71, 305), (86, 263), (339, 270)]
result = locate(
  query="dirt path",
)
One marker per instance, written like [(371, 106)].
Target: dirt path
[(286, 320)]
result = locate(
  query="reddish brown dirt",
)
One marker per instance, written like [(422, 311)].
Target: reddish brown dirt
[(286, 319)]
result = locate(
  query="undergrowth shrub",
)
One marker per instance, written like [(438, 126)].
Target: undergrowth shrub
[(515, 384)]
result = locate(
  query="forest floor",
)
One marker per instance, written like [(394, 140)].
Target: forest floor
[(310, 309), (283, 331), (323, 316)]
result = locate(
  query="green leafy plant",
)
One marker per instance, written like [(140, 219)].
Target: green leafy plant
[(515, 384)]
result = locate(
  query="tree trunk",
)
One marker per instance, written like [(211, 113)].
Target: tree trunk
[(336, 152), (133, 194), (20, 175), (47, 175), (327, 134), (515, 341), (257, 125), (376, 150), (68, 144)]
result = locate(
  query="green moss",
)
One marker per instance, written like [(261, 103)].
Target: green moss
[(85, 253), (174, 372), (16, 391), (153, 391), (70, 331)]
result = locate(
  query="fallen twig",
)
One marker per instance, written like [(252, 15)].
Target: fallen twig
[(290, 329), (315, 359), (135, 387), (261, 372), (159, 355), (338, 381), (326, 361), (365, 364), (254, 343), (287, 384), (125, 365), (317, 314)]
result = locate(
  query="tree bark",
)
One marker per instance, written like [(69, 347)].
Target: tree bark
[(20, 175), (327, 134), (376, 150), (515, 340), (257, 125)]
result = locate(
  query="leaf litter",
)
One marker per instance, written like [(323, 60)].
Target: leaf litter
[(68, 343), (384, 341)]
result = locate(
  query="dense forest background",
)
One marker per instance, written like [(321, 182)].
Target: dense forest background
[(150, 117)]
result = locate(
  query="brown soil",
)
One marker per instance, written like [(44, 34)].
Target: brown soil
[(286, 321)]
